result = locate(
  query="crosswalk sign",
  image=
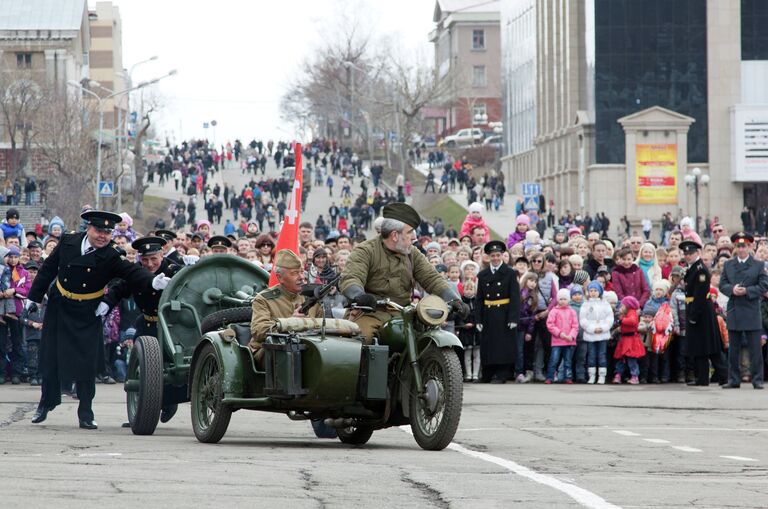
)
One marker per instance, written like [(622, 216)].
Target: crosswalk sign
[(106, 188), (531, 203)]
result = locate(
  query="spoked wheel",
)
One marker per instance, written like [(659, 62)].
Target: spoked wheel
[(355, 435), (210, 417), (145, 374), (435, 417)]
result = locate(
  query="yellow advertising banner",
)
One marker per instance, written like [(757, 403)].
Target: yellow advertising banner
[(656, 174)]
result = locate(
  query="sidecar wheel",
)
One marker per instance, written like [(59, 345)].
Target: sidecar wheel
[(146, 366), (219, 319), (210, 417), (357, 435), (434, 421)]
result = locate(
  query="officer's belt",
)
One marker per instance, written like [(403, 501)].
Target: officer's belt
[(499, 302), (688, 300), (150, 318), (78, 296)]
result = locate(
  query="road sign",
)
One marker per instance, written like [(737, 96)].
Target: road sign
[(531, 203), (213, 123), (106, 188), (531, 189)]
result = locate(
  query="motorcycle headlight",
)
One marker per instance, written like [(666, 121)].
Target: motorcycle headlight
[(432, 310)]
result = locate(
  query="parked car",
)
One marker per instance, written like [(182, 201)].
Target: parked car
[(494, 141), (463, 137)]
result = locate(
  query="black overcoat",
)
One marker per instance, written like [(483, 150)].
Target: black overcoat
[(497, 341), (701, 330), (72, 338)]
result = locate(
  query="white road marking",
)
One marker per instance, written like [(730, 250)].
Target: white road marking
[(738, 458), (577, 493), (97, 454), (626, 433), (656, 440), (685, 448), (639, 428)]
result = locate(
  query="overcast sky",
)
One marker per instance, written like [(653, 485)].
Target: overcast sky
[(236, 57)]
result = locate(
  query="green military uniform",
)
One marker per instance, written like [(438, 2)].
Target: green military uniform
[(270, 304), (387, 274)]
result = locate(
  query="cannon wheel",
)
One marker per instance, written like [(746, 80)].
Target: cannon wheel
[(355, 435), (218, 319), (210, 418), (146, 365), (434, 421)]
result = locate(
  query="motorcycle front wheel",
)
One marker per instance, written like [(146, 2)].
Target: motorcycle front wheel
[(435, 417)]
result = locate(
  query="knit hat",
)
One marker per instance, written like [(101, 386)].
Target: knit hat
[(576, 289), (677, 271), (611, 298), (523, 219), (594, 285), (580, 277), (662, 283), (563, 293), (128, 220), (465, 263), (476, 207), (433, 245), (574, 230), (532, 237), (630, 302), (13, 251), (686, 221)]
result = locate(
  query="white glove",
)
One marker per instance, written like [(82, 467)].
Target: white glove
[(479, 327), (102, 309), (160, 282), (512, 325)]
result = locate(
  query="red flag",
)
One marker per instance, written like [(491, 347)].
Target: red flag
[(289, 232)]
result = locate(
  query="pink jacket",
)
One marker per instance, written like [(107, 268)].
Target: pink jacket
[(470, 222), (563, 320)]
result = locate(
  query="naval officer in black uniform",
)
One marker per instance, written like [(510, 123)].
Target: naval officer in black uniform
[(497, 311), (74, 276), (744, 281), (169, 252), (219, 244), (702, 333), (150, 251)]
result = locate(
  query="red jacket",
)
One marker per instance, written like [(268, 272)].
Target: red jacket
[(632, 282)]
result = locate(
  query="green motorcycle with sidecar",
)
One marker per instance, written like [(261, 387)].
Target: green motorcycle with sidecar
[(321, 370)]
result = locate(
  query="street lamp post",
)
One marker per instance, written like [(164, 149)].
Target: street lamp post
[(100, 101), (695, 180), (366, 114)]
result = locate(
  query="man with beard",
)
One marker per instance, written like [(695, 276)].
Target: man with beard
[(74, 276), (389, 266), (150, 250)]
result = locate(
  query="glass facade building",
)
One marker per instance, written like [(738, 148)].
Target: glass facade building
[(647, 53), (518, 62)]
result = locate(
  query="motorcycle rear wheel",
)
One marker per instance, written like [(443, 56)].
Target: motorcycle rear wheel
[(434, 422)]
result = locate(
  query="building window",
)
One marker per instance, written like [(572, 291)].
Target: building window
[(479, 111), (24, 60), (478, 75), (478, 39)]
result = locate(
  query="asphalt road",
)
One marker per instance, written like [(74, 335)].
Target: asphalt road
[(517, 446)]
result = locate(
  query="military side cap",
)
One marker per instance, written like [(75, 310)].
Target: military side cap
[(742, 238), (494, 246), (101, 219), (287, 259), (689, 246), (219, 241), (402, 212), (148, 245), (166, 234)]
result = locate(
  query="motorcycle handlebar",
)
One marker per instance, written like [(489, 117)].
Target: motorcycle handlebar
[(382, 303)]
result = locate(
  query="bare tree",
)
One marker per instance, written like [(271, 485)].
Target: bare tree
[(143, 129), (20, 98)]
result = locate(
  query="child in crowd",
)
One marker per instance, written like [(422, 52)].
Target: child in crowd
[(580, 354), (453, 275), (657, 361), (630, 347), (32, 320), (581, 279), (563, 325), (673, 260), (532, 240), (522, 266), (629, 279), (677, 305), (522, 224), (596, 320), (529, 288), (474, 219), (603, 277), (468, 333)]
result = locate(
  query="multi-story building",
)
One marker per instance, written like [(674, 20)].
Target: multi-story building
[(590, 85), (106, 61), (467, 44)]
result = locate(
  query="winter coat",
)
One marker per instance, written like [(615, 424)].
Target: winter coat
[(21, 285), (469, 223), (467, 335), (596, 314), (630, 281), (677, 304), (652, 306), (630, 344), (514, 238), (527, 321), (547, 292), (563, 319)]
